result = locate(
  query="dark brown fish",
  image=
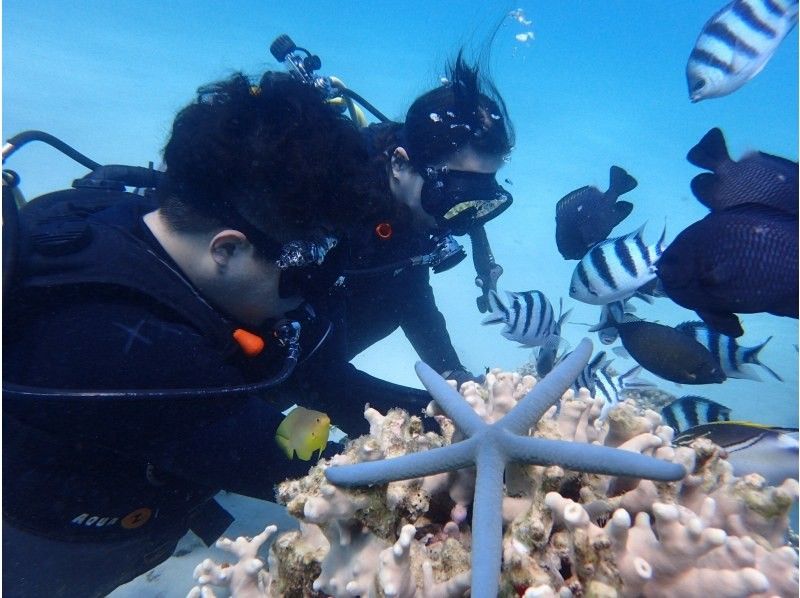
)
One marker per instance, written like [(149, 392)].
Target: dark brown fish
[(739, 260), (756, 178), (669, 353), (586, 216)]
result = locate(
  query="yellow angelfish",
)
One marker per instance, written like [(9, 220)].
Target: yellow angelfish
[(302, 432)]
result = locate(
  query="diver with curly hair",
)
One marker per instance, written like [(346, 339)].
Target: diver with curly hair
[(144, 332)]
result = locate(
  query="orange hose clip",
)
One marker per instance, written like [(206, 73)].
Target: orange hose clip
[(251, 344)]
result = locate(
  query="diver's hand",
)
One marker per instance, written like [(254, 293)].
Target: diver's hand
[(461, 375)]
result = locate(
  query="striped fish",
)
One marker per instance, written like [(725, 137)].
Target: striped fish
[(732, 358), (610, 386), (691, 410), (586, 377), (735, 44), (529, 317), (614, 269)]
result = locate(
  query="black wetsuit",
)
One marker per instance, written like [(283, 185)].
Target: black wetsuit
[(377, 304), (98, 492)]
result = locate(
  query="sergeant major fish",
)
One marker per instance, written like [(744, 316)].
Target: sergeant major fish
[(735, 44), (610, 386), (691, 410), (733, 358), (529, 318), (587, 216), (586, 379), (756, 178), (302, 432), (615, 269)]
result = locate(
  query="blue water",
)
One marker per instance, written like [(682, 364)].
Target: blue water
[(600, 83)]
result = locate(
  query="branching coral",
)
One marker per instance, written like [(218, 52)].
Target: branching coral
[(491, 447), (565, 532)]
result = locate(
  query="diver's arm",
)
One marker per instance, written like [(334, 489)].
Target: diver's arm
[(424, 325)]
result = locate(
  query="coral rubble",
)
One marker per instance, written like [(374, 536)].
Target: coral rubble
[(564, 532)]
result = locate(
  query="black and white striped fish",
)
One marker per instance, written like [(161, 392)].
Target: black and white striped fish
[(691, 410), (735, 44), (732, 358), (586, 377), (615, 269), (610, 386), (529, 317)]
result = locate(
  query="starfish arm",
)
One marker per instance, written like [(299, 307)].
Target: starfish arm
[(547, 391), (487, 521), (413, 465), (590, 458), (447, 397)]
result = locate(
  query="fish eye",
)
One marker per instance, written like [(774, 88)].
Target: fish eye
[(699, 84)]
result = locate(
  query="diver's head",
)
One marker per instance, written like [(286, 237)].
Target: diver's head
[(453, 141), (260, 183)]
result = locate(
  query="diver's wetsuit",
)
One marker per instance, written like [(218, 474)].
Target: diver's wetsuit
[(98, 492), (377, 304)]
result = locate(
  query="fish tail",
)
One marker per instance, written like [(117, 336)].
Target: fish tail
[(750, 355), (710, 152), (703, 186), (620, 182), (562, 316), (661, 245), (499, 312)]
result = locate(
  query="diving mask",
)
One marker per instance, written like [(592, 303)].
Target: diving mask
[(460, 200)]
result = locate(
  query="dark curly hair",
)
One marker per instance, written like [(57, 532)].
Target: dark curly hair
[(275, 156), (466, 111)]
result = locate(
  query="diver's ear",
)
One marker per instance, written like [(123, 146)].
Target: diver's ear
[(226, 244), (400, 161)]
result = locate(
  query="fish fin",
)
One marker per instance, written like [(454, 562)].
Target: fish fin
[(285, 445), (492, 319), (660, 245), (622, 209), (619, 182), (304, 454), (497, 309), (644, 297), (750, 355), (710, 152), (744, 372), (561, 319), (630, 379), (621, 352), (724, 323), (703, 186)]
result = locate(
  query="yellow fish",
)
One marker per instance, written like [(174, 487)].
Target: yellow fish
[(302, 432)]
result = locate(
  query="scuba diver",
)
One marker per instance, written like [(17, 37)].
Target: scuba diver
[(148, 335), (438, 170)]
